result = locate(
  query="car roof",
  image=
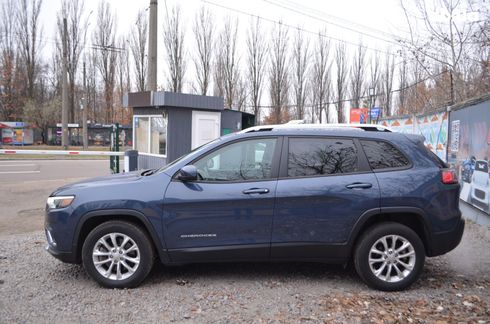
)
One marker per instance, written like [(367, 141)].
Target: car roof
[(294, 126), (343, 130)]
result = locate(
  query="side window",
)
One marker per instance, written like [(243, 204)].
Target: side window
[(321, 156), (245, 160), (382, 155)]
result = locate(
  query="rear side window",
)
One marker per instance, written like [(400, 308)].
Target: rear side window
[(440, 163), (382, 155), (321, 156)]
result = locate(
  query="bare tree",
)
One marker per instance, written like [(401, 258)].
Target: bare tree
[(402, 86), (228, 62), (441, 38), (219, 76), (42, 114), (92, 87), (203, 32), (123, 81), (278, 75), (76, 37), (374, 78), (341, 81), (300, 64), (256, 60), (241, 95), (106, 54), (173, 39), (357, 86), (321, 82), (138, 44), (387, 84), (29, 34), (11, 83)]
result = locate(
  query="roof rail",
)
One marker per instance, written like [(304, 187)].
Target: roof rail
[(296, 125)]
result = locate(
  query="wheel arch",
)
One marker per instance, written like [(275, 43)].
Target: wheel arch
[(92, 219), (412, 217)]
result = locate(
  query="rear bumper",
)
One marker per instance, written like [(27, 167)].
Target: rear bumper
[(444, 242)]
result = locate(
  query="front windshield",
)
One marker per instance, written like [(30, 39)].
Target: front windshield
[(165, 167)]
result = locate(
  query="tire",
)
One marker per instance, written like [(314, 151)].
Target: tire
[(130, 260), (408, 261)]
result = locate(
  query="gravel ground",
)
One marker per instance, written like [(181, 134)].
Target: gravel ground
[(34, 287)]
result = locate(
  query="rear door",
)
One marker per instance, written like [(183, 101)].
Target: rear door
[(324, 186)]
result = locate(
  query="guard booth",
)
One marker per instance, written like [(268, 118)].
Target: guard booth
[(167, 125)]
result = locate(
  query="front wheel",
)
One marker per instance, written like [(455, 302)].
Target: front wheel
[(389, 257), (118, 254)]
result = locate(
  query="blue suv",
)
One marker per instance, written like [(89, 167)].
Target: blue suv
[(272, 193)]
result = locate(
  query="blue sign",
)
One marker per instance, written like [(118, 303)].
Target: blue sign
[(375, 112)]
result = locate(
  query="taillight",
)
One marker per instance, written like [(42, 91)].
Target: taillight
[(449, 176)]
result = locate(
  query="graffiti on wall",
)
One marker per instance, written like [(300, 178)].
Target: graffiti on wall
[(434, 127)]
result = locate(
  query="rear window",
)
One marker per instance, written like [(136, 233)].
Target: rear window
[(383, 155), (321, 156)]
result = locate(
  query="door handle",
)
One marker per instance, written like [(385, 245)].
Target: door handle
[(359, 185), (259, 191)]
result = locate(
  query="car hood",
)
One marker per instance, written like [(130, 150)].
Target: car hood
[(114, 179)]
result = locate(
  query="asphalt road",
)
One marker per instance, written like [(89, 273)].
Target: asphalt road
[(15, 171), (25, 184)]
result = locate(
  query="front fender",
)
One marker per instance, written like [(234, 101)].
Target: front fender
[(125, 214)]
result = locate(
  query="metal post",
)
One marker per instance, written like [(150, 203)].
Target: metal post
[(152, 46), (114, 160), (85, 108), (64, 91)]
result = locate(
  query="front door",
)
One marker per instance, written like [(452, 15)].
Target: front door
[(323, 189), (227, 213)]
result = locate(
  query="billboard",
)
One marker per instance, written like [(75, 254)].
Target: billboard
[(469, 152), (359, 115)]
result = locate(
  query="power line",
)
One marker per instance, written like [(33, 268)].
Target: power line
[(331, 23), (343, 20), (296, 27)]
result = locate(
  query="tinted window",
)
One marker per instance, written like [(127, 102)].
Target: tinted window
[(382, 155), (246, 160), (321, 156)]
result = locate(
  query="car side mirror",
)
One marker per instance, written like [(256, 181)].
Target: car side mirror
[(188, 173)]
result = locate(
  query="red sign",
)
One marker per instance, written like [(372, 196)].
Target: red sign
[(359, 115)]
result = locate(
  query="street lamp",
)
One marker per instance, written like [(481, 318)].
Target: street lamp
[(372, 94)]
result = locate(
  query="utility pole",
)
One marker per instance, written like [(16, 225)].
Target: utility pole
[(64, 92), (85, 108), (152, 46)]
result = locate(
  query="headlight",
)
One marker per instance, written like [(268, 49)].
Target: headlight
[(59, 201)]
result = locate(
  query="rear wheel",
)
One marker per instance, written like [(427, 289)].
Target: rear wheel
[(389, 256), (118, 254)]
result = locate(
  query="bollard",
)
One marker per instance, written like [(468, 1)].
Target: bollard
[(130, 160)]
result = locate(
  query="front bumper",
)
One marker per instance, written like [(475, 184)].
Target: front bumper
[(443, 242), (66, 257), (51, 247)]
